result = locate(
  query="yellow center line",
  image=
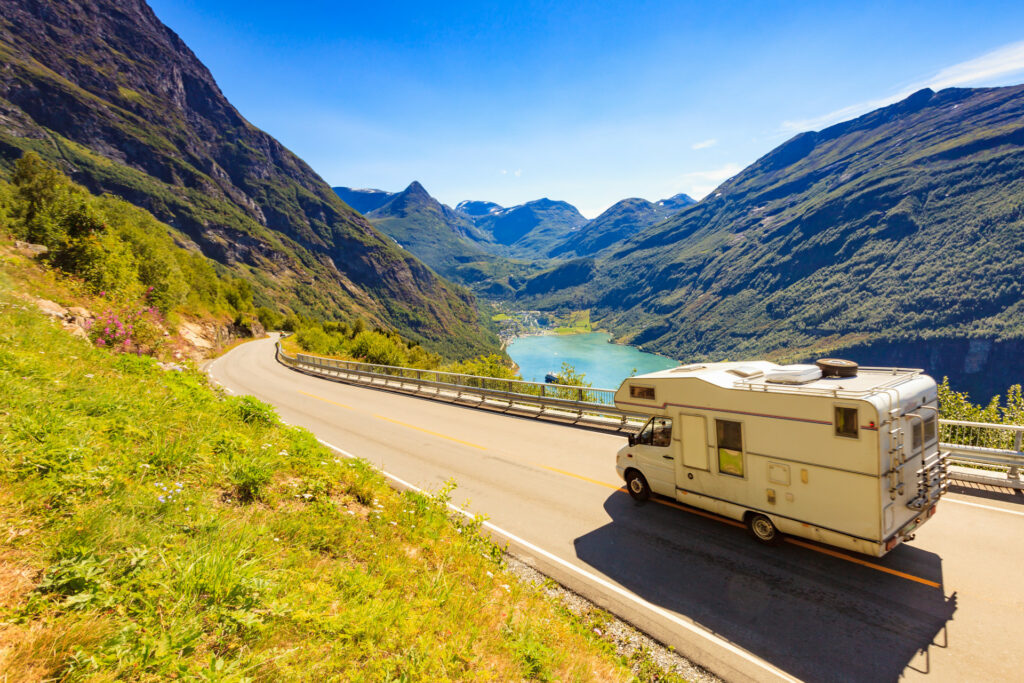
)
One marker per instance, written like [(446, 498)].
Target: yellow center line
[(403, 424), (327, 400), (579, 476), (857, 560), (427, 431), (733, 522)]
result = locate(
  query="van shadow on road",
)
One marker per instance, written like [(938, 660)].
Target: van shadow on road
[(817, 617)]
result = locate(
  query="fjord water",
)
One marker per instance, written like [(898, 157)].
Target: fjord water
[(604, 364)]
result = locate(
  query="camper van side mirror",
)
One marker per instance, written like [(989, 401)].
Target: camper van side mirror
[(632, 439)]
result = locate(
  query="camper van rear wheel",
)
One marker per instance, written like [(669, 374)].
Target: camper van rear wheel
[(763, 529), (637, 486)]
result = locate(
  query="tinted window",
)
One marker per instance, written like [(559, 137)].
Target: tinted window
[(846, 422), (924, 431), (641, 392), (730, 447)]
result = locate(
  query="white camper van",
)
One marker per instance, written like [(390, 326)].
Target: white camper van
[(852, 461)]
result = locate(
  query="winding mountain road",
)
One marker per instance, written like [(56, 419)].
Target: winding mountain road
[(947, 606)]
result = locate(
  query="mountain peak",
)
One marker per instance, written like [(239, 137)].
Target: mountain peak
[(475, 208), (677, 202), (416, 188)]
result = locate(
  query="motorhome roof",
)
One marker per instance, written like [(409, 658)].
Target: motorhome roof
[(750, 376)]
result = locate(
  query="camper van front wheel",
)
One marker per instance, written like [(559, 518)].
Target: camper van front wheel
[(762, 529), (637, 486)]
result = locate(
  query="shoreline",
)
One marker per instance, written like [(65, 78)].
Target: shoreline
[(586, 357)]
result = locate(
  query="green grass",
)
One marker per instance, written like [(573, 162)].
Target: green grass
[(157, 529), (577, 322)]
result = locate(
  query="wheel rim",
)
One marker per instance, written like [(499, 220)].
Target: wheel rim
[(636, 485), (763, 528)]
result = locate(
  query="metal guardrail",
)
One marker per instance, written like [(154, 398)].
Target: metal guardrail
[(553, 401), (973, 444)]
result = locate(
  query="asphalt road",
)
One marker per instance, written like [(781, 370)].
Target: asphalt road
[(947, 606)]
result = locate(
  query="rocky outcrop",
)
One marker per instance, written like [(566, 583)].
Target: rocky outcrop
[(30, 250)]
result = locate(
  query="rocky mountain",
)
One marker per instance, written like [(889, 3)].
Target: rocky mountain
[(105, 90), (363, 201), (532, 229), (619, 222), (439, 235), (445, 239), (475, 209), (677, 202), (896, 237)]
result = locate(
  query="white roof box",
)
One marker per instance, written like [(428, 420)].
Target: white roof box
[(793, 374)]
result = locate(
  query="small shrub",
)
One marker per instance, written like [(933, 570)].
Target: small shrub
[(534, 657), (77, 575), (249, 480), (253, 411)]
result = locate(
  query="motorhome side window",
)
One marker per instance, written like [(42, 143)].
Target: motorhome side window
[(646, 393), (846, 422), (730, 447)]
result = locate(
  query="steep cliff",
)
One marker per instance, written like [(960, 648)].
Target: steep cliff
[(103, 88)]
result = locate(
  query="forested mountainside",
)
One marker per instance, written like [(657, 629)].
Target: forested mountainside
[(112, 96), (620, 221), (898, 236)]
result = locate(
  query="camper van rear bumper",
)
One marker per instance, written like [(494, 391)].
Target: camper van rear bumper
[(906, 533)]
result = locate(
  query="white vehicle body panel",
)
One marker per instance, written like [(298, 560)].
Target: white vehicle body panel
[(851, 462)]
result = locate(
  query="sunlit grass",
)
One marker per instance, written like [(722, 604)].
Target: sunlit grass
[(155, 528)]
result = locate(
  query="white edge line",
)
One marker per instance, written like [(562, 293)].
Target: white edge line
[(632, 597), (986, 507)]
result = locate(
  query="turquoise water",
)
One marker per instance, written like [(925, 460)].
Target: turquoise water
[(605, 365)]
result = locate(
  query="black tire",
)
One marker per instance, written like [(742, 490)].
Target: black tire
[(837, 367), (763, 529), (637, 486)]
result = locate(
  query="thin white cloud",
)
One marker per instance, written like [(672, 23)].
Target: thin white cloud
[(504, 171), (519, 172), (704, 144), (997, 64)]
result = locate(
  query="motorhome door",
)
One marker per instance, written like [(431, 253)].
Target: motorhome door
[(653, 450), (694, 465)]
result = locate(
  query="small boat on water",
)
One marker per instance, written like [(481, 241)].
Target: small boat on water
[(551, 378)]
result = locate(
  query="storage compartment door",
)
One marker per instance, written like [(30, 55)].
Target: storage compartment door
[(693, 433)]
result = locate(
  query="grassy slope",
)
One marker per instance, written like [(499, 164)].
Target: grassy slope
[(157, 529)]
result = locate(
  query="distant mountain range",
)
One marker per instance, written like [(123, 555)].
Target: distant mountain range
[(113, 97), (894, 238), (466, 243)]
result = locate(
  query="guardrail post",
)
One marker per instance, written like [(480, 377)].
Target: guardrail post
[(1014, 471)]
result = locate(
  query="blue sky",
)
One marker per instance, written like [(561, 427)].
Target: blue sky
[(585, 102)]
